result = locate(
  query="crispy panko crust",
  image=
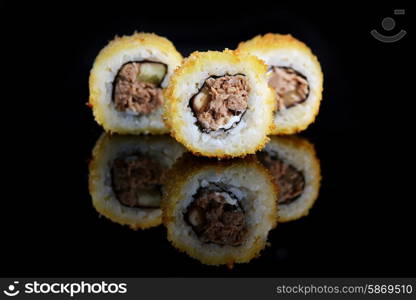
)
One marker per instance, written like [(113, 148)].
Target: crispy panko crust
[(120, 44), (189, 166), (296, 143), (270, 42), (94, 188), (194, 63)]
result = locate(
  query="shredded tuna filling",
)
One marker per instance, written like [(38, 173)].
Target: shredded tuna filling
[(290, 181), (216, 217), (136, 181), (290, 86), (221, 102), (137, 87)]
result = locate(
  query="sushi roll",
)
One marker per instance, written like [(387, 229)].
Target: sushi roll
[(294, 74), (295, 167), (126, 177), (219, 212), (127, 83), (219, 104)]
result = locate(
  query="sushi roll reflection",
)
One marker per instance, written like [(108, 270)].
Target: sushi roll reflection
[(219, 104), (219, 212), (296, 170), (294, 74), (126, 177), (127, 83)]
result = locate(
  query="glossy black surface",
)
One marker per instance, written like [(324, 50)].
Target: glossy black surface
[(362, 223)]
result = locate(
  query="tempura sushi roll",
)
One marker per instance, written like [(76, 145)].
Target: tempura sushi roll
[(219, 212), (126, 177), (127, 83), (219, 104), (294, 74), (296, 170)]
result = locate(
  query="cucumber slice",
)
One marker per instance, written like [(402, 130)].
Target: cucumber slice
[(151, 73), (148, 198)]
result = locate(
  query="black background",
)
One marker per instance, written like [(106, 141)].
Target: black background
[(363, 221)]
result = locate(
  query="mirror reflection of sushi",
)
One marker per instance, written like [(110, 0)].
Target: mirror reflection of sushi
[(219, 104), (293, 163), (126, 177), (219, 212), (294, 74), (127, 82)]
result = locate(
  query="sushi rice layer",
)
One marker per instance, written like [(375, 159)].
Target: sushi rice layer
[(162, 149), (135, 48), (286, 51), (300, 154), (248, 180), (249, 134)]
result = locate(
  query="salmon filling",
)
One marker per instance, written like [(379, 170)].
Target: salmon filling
[(137, 180), (221, 102), (290, 181), (291, 87), (137, 87), (216, 217)]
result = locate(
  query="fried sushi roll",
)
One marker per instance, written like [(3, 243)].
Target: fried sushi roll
[(294, 74), (219, 212), (126, 177), (295, 167), (219, 104), (127, 83)]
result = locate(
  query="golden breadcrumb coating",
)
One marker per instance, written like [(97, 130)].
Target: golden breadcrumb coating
[(190, 166), (195, 63), (116, 46), (98, 166), (268, 43), (305, 149)]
